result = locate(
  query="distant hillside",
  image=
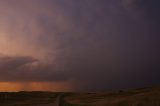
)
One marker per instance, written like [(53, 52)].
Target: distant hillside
[(136, 97), (26, 98), (132, 97)]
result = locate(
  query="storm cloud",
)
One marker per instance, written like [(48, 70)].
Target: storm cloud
[(27, 69), (94, 45)]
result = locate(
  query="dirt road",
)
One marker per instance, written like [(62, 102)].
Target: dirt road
[(55, 103)]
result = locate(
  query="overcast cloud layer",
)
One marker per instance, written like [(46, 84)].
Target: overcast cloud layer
[(91, 44)]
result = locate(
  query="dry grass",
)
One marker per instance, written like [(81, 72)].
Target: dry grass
[(137, 97), (26, 98)]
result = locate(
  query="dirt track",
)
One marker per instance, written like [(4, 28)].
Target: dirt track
[(55, 103)]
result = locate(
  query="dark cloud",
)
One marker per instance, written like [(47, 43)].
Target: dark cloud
[(97, 45), (118, 47), (9, 63), (9, 66), (28, 69)]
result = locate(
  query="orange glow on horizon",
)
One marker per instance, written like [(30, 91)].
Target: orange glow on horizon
[(34, 86)]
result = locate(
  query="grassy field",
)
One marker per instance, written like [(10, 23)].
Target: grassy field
[(136, 97), (26, 98), (133, 97)]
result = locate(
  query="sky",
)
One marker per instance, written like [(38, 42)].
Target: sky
[(79, 45)]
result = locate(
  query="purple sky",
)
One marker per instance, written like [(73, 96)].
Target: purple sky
[(79, 44)]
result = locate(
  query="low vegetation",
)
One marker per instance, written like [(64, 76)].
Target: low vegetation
[(26, 98), (136, 97)]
